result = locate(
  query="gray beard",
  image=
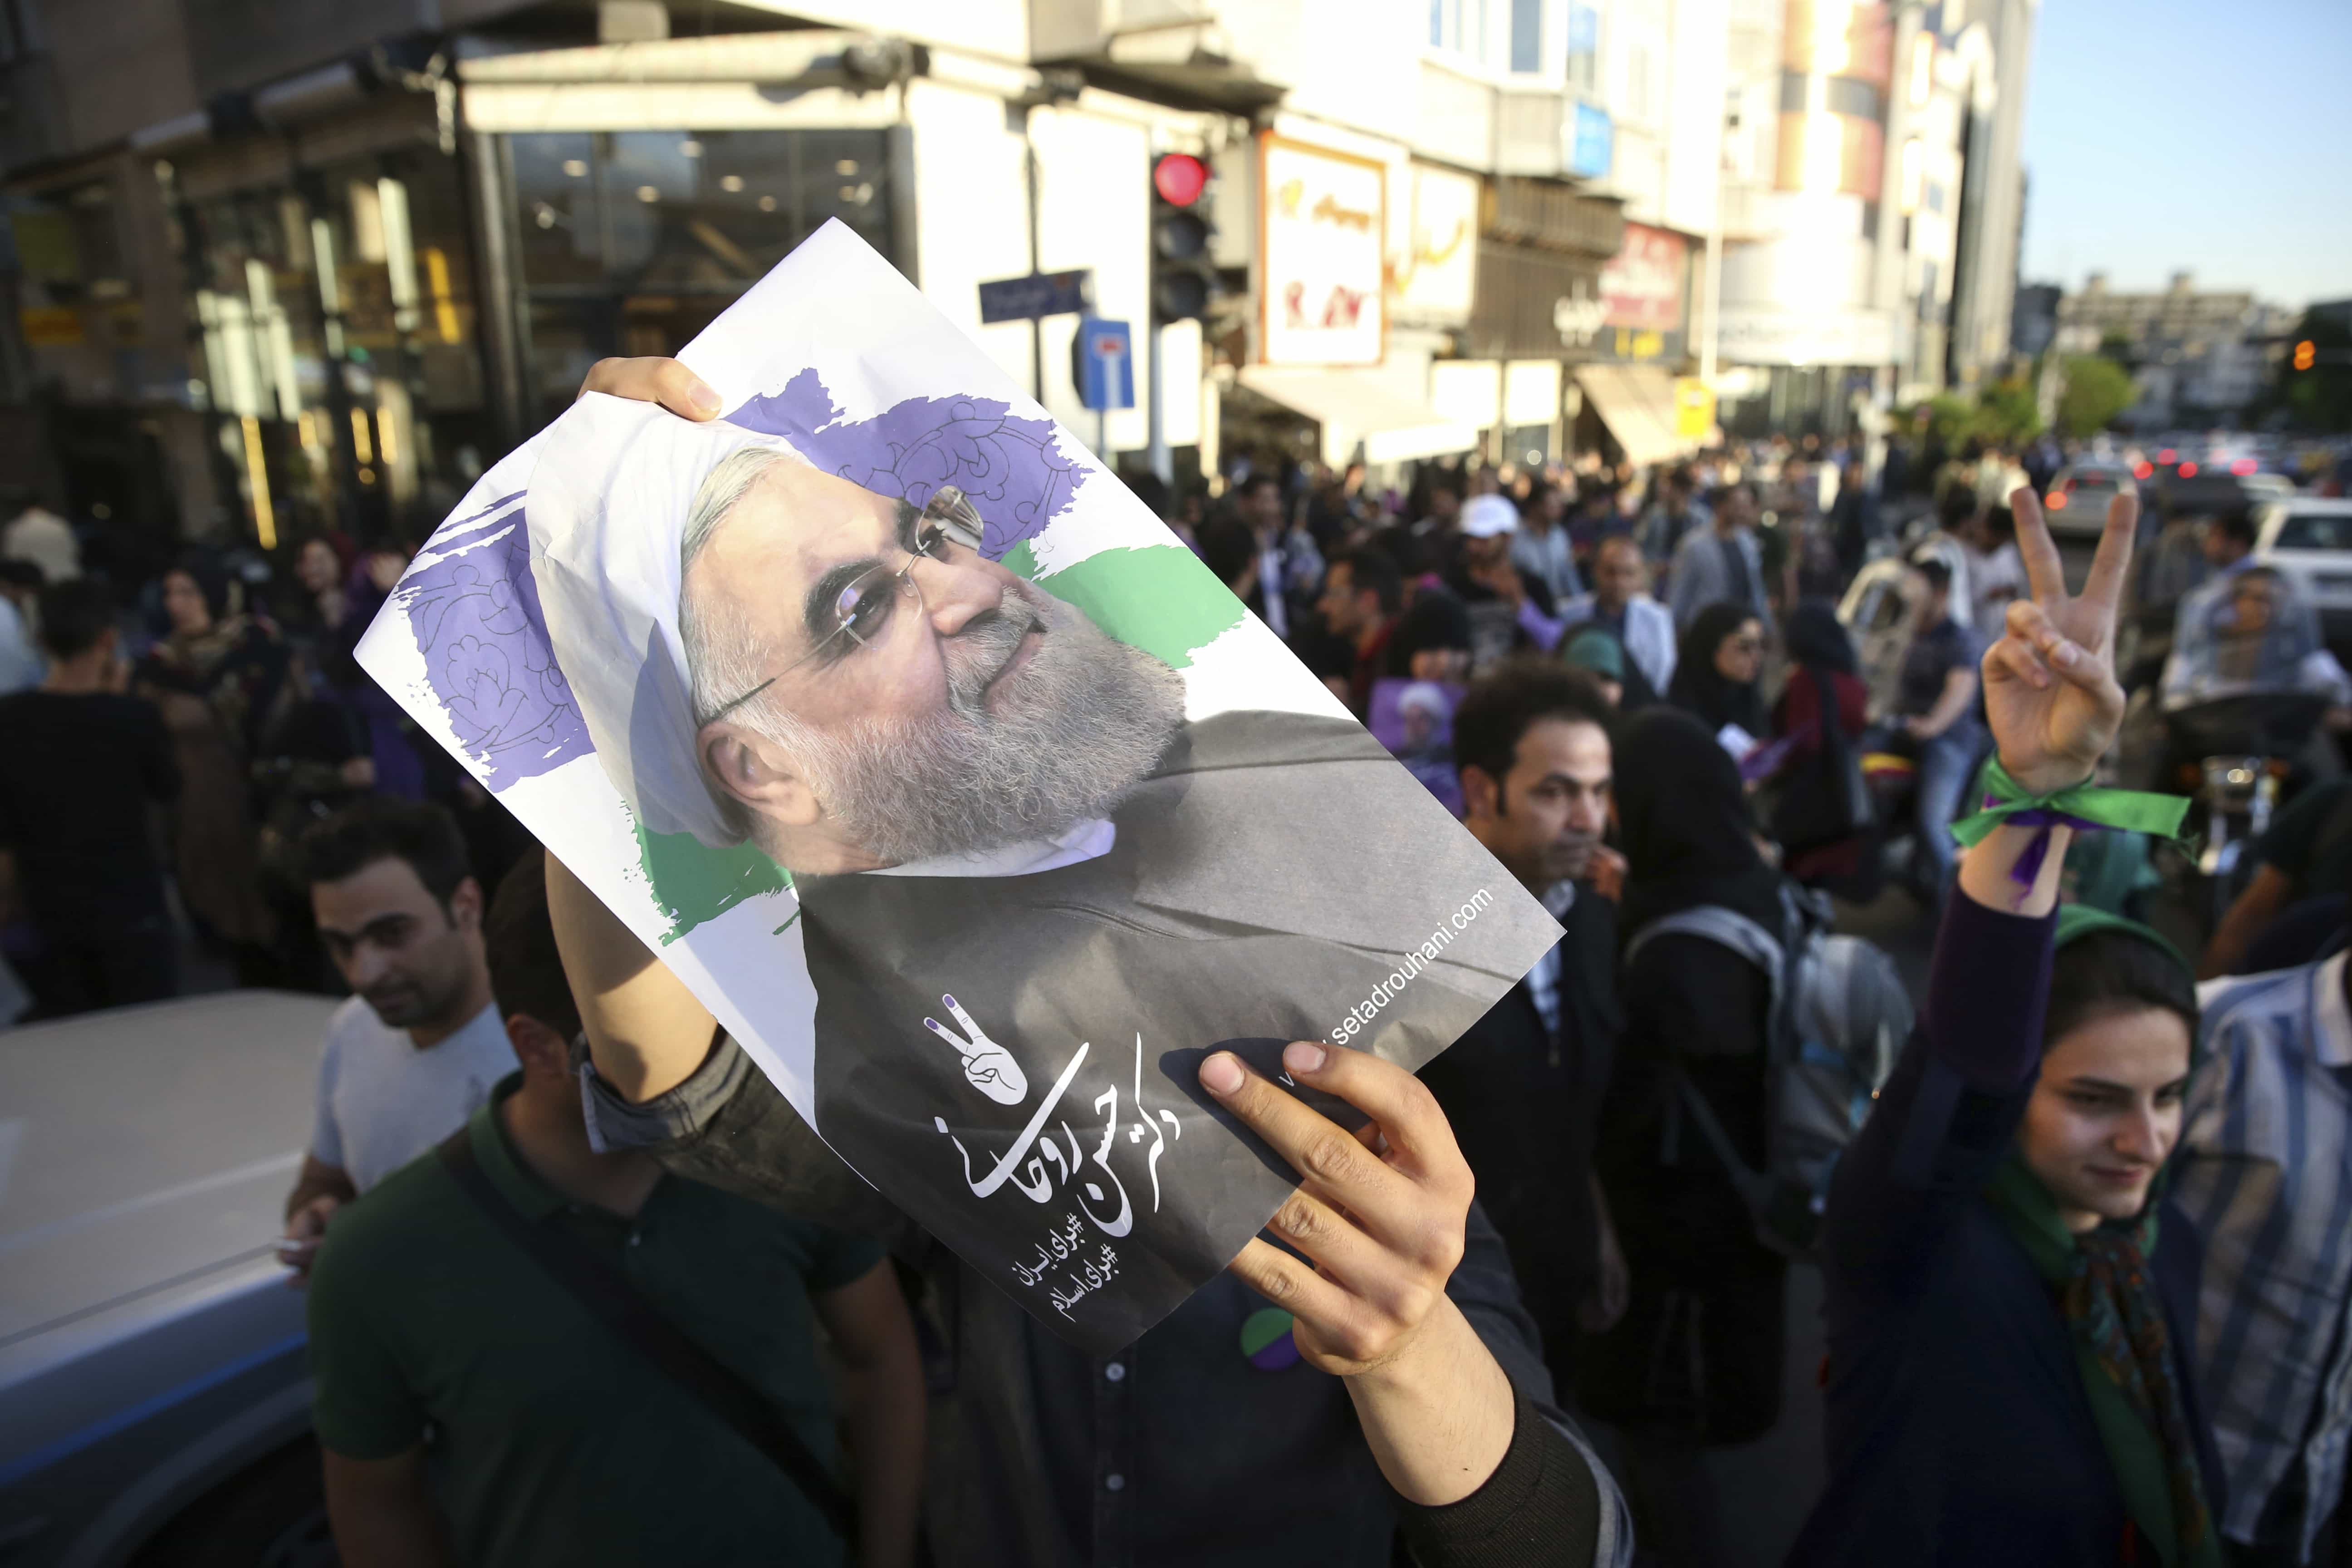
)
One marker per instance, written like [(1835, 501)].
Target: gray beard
[(1080, 727)]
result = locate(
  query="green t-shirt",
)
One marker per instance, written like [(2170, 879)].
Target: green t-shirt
[(553, 1441), (2311, 841)]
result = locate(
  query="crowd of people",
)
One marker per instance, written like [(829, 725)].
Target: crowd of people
[(583, 1287), (226, 693)]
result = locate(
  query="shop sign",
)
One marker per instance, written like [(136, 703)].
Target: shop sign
[(1694, 409), (1322, 229), (1578, 315), (1807, 337), (1436, 278), (51, 326), (1642, 283)]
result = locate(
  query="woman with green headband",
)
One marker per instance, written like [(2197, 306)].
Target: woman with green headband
[(2009, 1299)]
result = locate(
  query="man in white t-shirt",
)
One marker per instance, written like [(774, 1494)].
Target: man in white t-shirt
[(410, 1056)]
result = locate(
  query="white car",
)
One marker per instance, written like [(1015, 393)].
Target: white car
[(2309, 539), (2079, 494), (154, 1397)]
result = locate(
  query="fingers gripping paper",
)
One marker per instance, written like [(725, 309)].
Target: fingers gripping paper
[(968, 801)]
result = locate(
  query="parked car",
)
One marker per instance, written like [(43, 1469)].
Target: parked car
[(2309, 539), (154, 1401), (2079, 494), (2199, 481)]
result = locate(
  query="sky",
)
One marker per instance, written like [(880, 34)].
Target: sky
[(2211, 136)]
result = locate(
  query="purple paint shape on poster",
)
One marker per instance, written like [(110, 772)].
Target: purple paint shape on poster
[(1011, 469), (476, 618)]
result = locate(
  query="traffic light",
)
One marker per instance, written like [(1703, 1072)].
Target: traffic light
[(2306, 354), (1183, 276)]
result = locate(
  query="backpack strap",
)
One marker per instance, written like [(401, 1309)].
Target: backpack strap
[(613, 1302), (1725, 928)]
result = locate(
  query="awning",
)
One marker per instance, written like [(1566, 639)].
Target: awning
[(1352, 406), (1637, 403)]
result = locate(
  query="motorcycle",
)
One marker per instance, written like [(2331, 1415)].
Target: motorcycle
[(2234, 757)]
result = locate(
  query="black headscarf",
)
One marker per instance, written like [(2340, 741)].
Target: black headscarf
[(1688, 837), (1435, 620), (1818, 639), (1700, 690)]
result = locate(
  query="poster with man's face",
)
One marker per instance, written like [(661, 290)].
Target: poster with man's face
[(977, 810)]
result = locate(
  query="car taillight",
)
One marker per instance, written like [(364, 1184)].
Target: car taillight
[(2056, 501), (2242, 466), (2142, 470), (2187, 470)]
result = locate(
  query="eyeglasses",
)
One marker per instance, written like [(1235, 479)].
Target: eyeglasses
[(862, 609)]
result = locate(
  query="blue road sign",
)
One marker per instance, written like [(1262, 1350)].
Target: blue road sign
[(1106, 364), (1590, 142), (1039, 294)]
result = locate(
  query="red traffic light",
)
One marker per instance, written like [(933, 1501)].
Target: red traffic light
[(1179, 178)]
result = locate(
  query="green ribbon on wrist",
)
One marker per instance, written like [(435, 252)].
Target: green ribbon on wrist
[(2083, 806)]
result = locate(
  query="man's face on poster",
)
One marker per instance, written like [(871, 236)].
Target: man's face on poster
[(870, 689)]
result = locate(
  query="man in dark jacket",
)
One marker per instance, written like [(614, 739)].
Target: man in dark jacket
[(1522, 1086)]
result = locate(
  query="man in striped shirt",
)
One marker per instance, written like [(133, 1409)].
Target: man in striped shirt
[(2266, 1174)]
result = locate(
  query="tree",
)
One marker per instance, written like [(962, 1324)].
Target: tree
[(2097, 392), (2007, 415)]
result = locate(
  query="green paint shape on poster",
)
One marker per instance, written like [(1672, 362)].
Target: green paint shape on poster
[(694, 883)]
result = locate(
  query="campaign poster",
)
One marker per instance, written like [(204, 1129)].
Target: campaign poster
[(1414, 720), (976, 809)]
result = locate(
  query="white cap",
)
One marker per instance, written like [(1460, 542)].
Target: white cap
[(1485, 517)]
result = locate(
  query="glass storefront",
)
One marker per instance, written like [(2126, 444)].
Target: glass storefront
[(344, 355), (630, 241), (341, 355)]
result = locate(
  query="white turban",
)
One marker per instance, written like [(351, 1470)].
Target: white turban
[(607, 510)]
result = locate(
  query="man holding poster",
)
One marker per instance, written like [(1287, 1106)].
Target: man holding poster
[(1031, 895), (1011, 854)]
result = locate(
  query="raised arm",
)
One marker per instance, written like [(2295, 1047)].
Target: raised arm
[(1944, 1119), (646, 1030)]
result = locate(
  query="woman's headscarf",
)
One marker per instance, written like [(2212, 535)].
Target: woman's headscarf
[(1687, 835), (1818, 639), (1594, 651), (212, 580), (1700, 690), (2123, 1348)]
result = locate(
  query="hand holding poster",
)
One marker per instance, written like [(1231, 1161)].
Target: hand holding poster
[(974, 807)]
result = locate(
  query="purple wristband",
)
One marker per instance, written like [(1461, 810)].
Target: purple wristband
[(2027, 869)]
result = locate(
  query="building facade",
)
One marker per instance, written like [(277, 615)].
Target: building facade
[(2198, 359), (1873, 202)]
